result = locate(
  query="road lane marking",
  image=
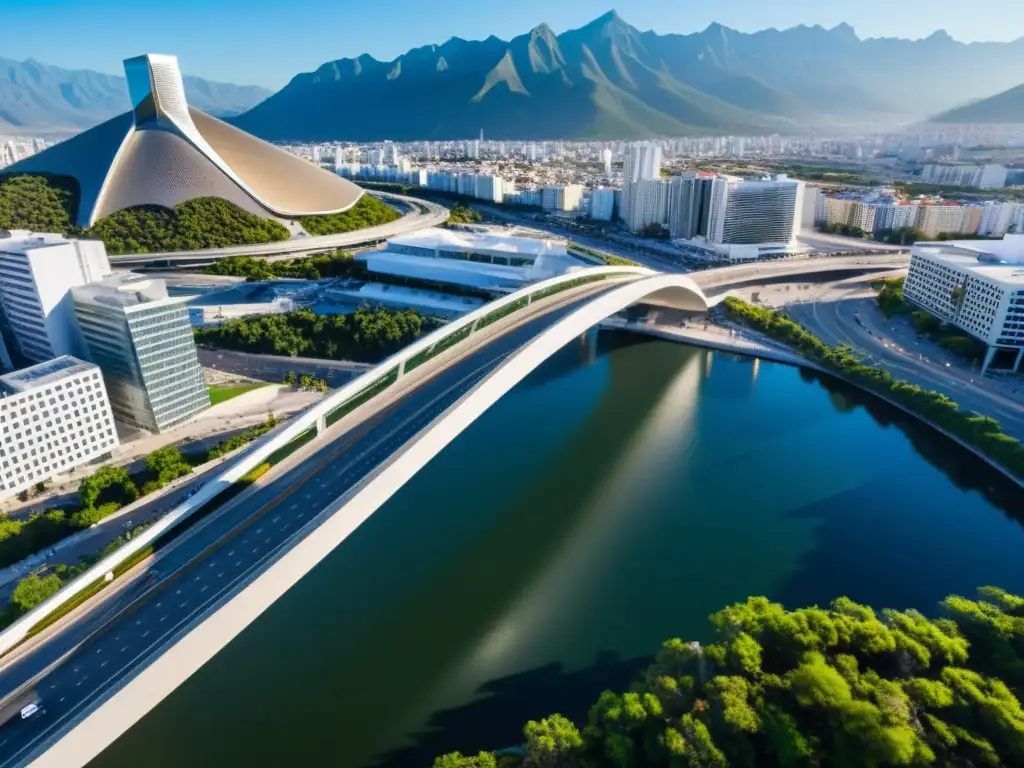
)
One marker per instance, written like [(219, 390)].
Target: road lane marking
[(105, 662), (205, 587), (123, 649), (145, 633), (164, 617), (220, 575), (238, 563)]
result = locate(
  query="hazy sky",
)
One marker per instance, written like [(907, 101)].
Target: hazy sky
[(266, 42)]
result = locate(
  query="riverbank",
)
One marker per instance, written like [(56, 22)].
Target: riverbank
[(981, 435)]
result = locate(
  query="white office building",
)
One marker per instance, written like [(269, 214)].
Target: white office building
[(492, 261), (602, 203), (646, 204), (976, 285), (53, 417), (142, 340), (606, 161), (36, 273)]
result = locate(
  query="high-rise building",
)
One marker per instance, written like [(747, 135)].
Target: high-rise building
[(36, 273), (54, 416), (643, 163), (647, 205), (142, 340), (606, 161), (602, 204), (561, 197), (689, 206), (761, 212)]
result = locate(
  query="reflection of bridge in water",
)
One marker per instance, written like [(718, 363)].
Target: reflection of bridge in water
[(109, 680)]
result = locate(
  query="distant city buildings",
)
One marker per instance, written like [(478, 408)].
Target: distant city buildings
[(14, 149), (977, 286), (54, 416), (989, 176), (142, 340)]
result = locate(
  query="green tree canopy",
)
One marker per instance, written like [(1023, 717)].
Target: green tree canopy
[(836, 687)]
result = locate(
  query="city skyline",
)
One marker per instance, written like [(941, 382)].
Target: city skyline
[(223, 40)]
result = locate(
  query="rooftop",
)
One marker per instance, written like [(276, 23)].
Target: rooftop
[(44, 374), (21, 240), (998, 260), (125, 290), (491, 242)]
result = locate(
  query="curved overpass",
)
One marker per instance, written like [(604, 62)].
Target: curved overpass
[(176, 645), (422, 214)]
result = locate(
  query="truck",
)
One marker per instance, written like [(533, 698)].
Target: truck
[(22, 706)]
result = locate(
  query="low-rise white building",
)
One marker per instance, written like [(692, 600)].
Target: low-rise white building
[(53, 417), (976, 285), (492, 261)]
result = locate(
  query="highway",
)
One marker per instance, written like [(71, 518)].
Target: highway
[(832, 315), (422, 214), (207, 568), (274, 368)]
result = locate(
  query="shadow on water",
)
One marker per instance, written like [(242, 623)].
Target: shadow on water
[(503, 706), (965, 470)]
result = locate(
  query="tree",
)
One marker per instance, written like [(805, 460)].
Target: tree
[(368, 212), (289, 379), (553, 742), (32, 590), (832, 687), (457, 760), (167, 464)]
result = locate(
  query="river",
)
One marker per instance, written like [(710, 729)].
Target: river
[(617, 497)]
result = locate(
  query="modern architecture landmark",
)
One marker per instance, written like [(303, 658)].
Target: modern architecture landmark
[(164, 152)]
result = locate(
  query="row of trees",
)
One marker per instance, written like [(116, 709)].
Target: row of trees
[(982, 432), (368, 212), (836, 686), (366, 335), (891, 302), (337, 264), (100, 495), (205, 222)]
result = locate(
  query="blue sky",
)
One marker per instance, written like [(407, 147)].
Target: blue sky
[(265, 42)]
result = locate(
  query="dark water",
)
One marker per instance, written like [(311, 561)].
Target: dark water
[(616, 498)]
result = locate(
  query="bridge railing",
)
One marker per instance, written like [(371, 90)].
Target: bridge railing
[(321, 415)]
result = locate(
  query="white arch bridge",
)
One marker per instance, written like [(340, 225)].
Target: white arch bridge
[(496, 346)]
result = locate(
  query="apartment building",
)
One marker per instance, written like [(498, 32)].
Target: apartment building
[(54, 417)]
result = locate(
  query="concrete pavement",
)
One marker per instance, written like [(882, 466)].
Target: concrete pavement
[(274, 368)]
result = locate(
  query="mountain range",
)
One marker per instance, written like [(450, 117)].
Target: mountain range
[(609, 80), (40, 98), (1005, 107)]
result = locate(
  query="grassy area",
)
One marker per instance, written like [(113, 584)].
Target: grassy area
[(223, 394)]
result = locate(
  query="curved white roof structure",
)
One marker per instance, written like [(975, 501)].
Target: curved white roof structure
[(163, 153)]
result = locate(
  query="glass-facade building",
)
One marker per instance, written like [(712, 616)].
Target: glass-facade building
[(143, 342)]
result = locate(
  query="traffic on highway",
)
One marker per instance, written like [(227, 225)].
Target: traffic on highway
[(205, 569)]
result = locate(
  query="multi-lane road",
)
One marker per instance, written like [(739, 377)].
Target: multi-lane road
[(420, 214), (847, 313), (205, 569)]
